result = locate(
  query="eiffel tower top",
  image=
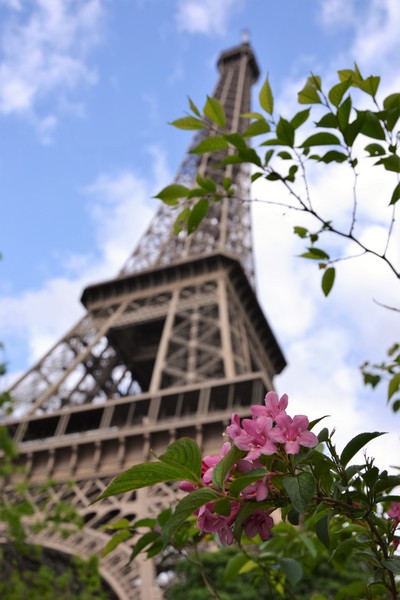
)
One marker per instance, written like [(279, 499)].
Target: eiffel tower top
[(227, 226)]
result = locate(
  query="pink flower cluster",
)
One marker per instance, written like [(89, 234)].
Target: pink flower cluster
[(394, 512), (269, 430), (270, 426)]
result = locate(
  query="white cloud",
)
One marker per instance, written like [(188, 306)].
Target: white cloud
[(337, 12), (374, 25), (205, 16), (44, 49)]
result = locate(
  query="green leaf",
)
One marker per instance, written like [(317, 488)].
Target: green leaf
[(337, 92), (392, 101), (392, 106), (343, 113), (242, 482), (321, 139), (274, 176), (315, 422), (115, 541), (394, 385), (333, 156), (233, 566), (372, 126), (284, 155), (293, 517), (292, 569), (323, 435), (196, 192), (214, 110), (144, 475), (356, 590), (211, 143), (155, 548), (392, 563), (370, 85), (120, 524), (266, 98), (309, 93), (272, 142), (222, 469), (257, 128), (300, 489), (292, 173), (300, 231), (186, 507), (236, 140), (387, 482), (194, 107), (227, 183), (145, 540), (223, 507), (356, 444), (348, 75), (197, 214), (256, 176), (354, 129), (251, 156), (268, 155), (285, 132), (300, 118), (163, 516), (181, 220), (315, 254), (329, 120), (375, 150), (170, 193), (190, 123), (371, 379), (391, 163), (185, 453), (395, 195), (234, 159), (145, 523), (206, 184), (328, 280), (252, 115)]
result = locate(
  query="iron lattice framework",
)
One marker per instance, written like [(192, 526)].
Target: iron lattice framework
[(168, 348)]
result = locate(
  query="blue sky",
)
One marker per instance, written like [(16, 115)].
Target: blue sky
[(86, 91)]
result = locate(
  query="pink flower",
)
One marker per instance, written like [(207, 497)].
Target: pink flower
[(258, 489), (259, 522), (207, 469), (210, 522), (394, 512), (273, 406), (295, 433), (258, 436), (234, 429), (187, 486), (209, 462)]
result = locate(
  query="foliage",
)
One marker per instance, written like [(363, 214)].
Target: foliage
[(390, 371), (350, 141), (37, 574), (275, 462), (221, 569), (357, 138)]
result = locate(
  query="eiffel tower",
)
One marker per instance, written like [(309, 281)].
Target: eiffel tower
[(170, 347)]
